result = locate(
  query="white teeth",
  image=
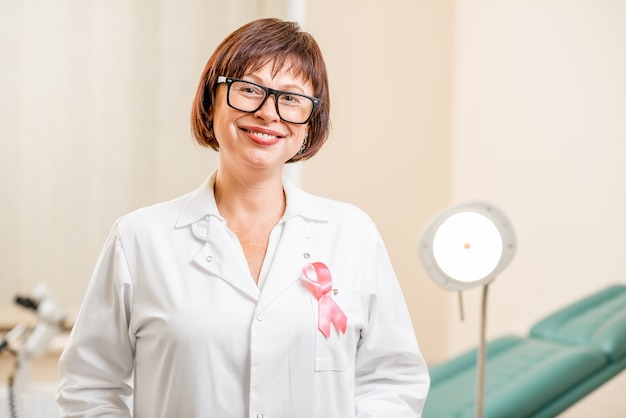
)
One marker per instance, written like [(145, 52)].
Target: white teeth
[(262, 135)]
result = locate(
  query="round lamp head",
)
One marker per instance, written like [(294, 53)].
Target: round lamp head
[(467, 245)]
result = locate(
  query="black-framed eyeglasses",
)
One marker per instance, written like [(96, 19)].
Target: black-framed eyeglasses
[(247, 96)]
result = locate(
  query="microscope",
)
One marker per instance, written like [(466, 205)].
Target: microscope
[(28, 342)]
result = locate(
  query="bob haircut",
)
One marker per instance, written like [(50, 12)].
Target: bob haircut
[(247, 50)]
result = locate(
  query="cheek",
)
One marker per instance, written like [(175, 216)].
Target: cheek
[(299, 138), (302, 133), (220, 116), (222, 125)]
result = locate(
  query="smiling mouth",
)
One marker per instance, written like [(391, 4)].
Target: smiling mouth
[(267, 137)]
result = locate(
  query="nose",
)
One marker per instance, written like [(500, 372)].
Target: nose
[(268, 110)]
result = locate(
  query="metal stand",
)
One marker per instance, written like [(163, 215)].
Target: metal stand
[(480, 360)]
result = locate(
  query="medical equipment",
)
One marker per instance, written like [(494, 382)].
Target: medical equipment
[(564, 357), (26, 343)]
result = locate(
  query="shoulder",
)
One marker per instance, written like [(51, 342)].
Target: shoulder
[(155, 217), (340, 210), (345, 217), (339, 214)]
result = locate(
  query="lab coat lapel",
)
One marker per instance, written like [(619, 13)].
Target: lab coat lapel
[(223, 257), (293, 252)]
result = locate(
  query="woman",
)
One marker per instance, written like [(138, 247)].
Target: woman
[(247, 297)]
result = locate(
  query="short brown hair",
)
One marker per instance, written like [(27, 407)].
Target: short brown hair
[(247, 50)]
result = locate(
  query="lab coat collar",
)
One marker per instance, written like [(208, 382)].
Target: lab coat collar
[(200, 212), (201, 203)]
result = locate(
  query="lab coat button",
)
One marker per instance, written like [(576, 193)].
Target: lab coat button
[(209, 258), (259, 415), (259, 318), (306, 255)]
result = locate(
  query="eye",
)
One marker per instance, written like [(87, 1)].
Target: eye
[(291, 99), (249, 90)]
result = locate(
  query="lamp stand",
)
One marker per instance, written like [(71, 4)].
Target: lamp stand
[(480, 360)]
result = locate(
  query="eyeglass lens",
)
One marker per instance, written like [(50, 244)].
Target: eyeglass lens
[(249, 97)]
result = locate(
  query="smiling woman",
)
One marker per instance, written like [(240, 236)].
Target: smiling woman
[(250, 295)]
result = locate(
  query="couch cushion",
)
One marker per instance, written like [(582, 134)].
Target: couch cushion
[(521, 375), (598, 320)]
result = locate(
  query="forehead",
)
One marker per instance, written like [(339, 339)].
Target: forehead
[(281, 73), (282, 63)]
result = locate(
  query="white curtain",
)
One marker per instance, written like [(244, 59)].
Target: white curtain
[(95, 98)]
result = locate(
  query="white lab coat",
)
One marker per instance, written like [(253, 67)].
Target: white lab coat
[(173, 326)]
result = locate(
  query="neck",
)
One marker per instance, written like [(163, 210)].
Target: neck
[(242, 198)]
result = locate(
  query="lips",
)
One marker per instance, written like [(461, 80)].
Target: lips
[(262, 136)]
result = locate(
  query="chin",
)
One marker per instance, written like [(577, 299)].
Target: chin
[(264, 160)]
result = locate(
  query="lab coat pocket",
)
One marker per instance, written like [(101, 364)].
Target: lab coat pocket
[(332, 353)]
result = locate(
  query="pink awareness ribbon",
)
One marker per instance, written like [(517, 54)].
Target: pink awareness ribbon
[(321, 285)]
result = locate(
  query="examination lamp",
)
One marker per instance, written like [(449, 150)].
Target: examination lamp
[(463, 247)]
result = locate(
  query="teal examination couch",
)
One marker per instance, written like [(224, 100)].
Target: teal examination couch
[(566, 356)]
